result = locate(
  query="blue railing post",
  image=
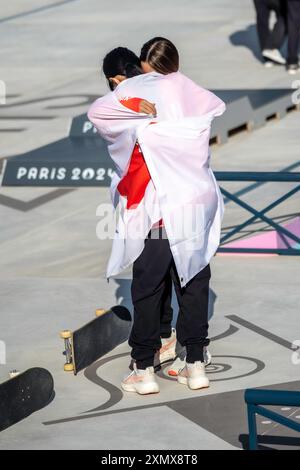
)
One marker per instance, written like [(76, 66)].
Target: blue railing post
[(252, 427)]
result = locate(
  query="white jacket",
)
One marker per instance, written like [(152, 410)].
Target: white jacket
[(183, 190)]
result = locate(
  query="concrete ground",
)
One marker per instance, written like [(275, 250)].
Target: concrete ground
[(53, 266)]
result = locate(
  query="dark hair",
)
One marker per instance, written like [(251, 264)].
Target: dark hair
[(161, 55), (121, 61)]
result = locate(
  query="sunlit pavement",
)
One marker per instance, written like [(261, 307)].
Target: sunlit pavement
[(53, 266)]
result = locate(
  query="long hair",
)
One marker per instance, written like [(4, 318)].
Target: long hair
[(161, 55), (121, 61)]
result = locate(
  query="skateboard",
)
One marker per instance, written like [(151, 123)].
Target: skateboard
[(95, 339), (24, 394)]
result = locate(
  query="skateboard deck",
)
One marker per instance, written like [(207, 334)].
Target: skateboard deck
[(24, 394), (95, 339)]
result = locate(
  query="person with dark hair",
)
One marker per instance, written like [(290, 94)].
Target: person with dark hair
[(293, 36), (119, 65), (161, 55), (271, 40), (181, 200)]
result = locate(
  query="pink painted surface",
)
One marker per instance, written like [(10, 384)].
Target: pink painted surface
[(265, 240)]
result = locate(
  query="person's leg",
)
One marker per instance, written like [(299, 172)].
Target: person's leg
[(166, 315), (293, 31), (192, 327), (271, 40), (168, 350), (262, 22), (278, 34), (148, 287), (192, 322)]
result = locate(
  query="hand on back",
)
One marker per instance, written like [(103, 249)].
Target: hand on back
[(147, 108)]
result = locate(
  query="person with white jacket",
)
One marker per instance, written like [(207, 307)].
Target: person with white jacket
[(181, 201)]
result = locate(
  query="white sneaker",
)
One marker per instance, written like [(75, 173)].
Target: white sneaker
[(141, 381), (194, 376), (207, 356), (167, 351), (177, 365), (293, 69), (269, 64), (275, 55), (179, 362)]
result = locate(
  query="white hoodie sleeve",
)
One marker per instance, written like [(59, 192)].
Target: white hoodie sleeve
[(111, 118)]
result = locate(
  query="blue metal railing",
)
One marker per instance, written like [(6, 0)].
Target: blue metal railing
[(255, 398), (263, 177)]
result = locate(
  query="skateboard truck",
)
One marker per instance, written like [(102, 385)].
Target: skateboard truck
[(66, 335)]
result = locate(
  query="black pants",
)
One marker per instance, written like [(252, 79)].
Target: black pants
[(271, 39), (166, 312), (150, 272), (293, 31)]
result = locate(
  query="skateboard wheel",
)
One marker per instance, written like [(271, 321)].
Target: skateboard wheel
[(13, 373), (100, 311), (65, 334), (68, 367)]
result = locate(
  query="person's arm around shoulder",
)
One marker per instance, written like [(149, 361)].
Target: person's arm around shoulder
[(108, 114), (139, 105)]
